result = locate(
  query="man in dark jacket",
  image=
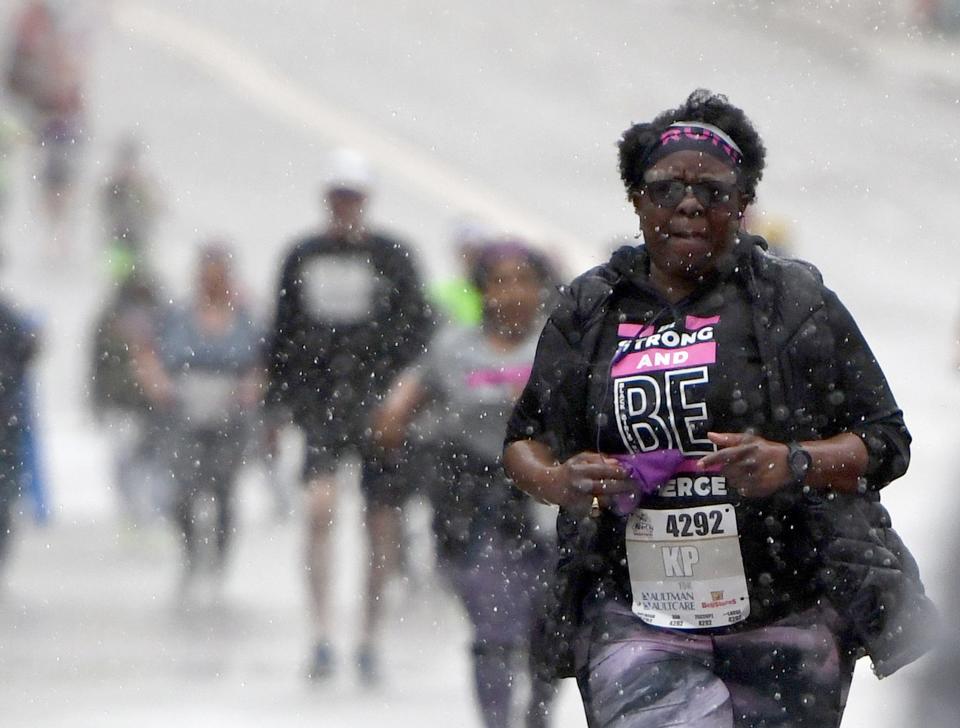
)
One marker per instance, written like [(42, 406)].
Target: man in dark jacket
[(17, 348), (350, 314), (126, 325)]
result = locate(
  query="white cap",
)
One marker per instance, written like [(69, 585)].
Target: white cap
[(347, 169)]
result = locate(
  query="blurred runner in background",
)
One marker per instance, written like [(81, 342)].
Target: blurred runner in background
[(126, 326), (45, 75), (456, 299), (18, 345), (351, 313), (939, 16), (205, 374), (131, 203), (494, 541), (777, 230)]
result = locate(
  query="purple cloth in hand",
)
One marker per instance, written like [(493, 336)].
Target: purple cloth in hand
[(648, 471)]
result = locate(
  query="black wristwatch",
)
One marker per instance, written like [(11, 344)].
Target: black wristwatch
[(799, 462)]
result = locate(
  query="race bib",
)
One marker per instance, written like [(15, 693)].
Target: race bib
[(686, 569), (338, 290), (207, 398)]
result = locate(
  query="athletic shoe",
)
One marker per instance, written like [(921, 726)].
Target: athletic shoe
[(368, 666), (321, 662)]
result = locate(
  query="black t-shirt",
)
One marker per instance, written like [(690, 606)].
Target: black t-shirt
[(666, 374), (350, 315), (663, 376)]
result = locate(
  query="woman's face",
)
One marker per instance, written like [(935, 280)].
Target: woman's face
[(346, 209), (214, 278), (689, 209), (512, 295)]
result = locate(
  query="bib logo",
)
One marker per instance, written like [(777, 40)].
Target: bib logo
[(717, 601), (642, 526)]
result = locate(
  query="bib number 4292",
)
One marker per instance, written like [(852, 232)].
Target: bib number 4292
[(699, 523)]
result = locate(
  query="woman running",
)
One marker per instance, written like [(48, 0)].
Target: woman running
[(490, 543), (205, 376), (716, 431)]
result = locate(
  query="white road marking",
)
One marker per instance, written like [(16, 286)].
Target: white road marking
[(271, 91)]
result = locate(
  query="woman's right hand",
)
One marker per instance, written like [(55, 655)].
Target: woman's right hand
[(589, 475), (572, 484)]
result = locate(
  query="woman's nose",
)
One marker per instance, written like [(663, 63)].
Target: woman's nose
[(689, 204)]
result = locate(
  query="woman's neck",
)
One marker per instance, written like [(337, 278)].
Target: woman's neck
[(215, 314), (672, 289), (218, 301), (504, 337)]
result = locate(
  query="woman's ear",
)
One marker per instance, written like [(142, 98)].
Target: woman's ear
[(737, 221), (636, 197)]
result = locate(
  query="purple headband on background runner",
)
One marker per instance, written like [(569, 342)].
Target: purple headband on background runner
[(507, 248), (698, 136)]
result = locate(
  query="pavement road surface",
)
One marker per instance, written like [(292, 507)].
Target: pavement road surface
[(506, 111)]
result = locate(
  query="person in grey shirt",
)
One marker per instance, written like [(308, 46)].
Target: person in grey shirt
[(492, 542), (204, 374)]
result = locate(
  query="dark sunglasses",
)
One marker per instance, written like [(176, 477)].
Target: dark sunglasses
[(709, 193)]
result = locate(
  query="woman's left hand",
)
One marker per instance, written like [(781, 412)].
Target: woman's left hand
[(754, 466)]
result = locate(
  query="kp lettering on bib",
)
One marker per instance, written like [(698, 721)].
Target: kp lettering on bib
[(686, 569)]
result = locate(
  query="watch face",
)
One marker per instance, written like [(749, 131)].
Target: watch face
[(799, 461)]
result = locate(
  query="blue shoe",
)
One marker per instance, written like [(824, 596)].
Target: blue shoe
[(321, 663), (368, 666)]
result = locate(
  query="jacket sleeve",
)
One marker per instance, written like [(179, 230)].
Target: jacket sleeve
[(860, 399), (552, 407)]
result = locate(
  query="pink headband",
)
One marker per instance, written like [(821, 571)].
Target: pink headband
[(695, 135)]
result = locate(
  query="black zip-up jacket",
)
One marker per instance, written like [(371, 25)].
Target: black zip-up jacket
[(311, 361), (822, 380)]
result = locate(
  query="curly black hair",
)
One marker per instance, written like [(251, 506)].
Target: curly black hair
[(702, 105)]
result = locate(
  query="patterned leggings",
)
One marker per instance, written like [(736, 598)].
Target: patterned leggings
[(789, 673)]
